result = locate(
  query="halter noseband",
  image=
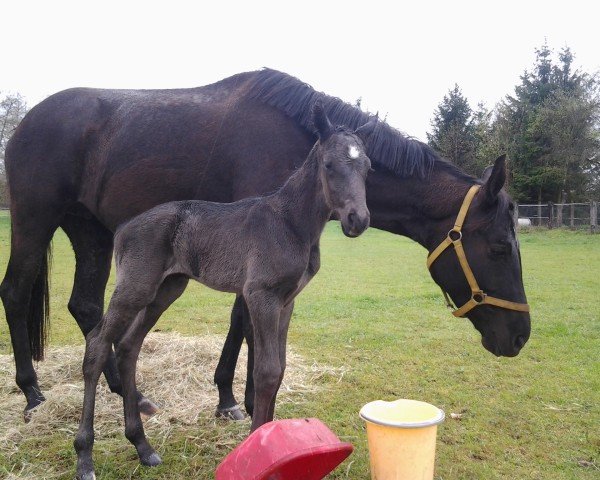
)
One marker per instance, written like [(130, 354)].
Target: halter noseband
[(478, 296)]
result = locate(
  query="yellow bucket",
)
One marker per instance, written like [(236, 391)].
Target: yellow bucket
[(401, 436)]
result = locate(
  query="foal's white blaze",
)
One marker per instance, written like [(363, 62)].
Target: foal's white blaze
[(353, 151)]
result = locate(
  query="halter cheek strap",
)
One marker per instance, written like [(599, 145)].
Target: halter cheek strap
[(454, 237)]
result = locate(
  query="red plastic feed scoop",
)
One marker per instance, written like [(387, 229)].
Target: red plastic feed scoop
[(285, 450)]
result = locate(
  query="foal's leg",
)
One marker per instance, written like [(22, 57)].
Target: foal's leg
[(128, 350), (249, 336), (284, 325), (92, 244), (265, 309), (129, 298), (225, 371)]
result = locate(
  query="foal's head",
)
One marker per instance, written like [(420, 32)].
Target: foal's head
[(343, 166)]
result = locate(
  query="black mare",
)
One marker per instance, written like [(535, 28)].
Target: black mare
[(100, 157), (263, 248)]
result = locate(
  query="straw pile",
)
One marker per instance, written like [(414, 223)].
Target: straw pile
[(174, 370)]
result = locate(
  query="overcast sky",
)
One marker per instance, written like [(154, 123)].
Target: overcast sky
[(400, 57)]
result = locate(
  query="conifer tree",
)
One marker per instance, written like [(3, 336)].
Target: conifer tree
[(452, 130)]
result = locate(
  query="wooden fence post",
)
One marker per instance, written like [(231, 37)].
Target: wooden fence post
[(593, 217), (550, 215), (539, 214), (559, 214), (516, 215), (572, 222)]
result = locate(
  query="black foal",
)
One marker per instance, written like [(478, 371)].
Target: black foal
[(265, 248)]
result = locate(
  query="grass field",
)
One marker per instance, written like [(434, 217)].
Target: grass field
[(374, 312)]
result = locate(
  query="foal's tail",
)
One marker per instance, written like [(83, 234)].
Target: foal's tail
[(38, 317)]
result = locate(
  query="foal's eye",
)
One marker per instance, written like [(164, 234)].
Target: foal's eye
[(328, 165)]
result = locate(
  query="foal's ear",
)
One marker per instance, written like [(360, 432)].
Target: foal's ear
[(323, 127), (365, 131), (494, 178)]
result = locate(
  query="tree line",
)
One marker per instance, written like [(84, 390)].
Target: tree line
[(549, 127)]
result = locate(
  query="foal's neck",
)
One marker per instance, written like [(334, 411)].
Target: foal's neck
[(302, 200)]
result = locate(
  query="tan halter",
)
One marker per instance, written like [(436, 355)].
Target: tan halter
[(454, 237)]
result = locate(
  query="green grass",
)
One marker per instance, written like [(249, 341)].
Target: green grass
[(374, 310)]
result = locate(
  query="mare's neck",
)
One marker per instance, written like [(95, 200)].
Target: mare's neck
[(415, 207), (302, 202)]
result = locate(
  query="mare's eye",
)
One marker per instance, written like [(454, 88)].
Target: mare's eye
[(328, 165), (499, 249)]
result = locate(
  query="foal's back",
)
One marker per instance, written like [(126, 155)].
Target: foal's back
[(214, 243)]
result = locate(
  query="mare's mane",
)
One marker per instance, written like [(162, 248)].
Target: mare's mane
[(387, 147)]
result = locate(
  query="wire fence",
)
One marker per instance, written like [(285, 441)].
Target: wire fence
[(559, 215)]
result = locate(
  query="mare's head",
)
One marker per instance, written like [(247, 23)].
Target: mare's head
[(343, 166), (499, 312)]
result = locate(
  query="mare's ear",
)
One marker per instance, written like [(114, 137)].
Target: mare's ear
[(323, 127), (486, 173), (365, 131), (494, 178)]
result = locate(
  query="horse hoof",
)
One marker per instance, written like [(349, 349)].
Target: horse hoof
[(86, 476), (28, 414), (147, 407), (230, 413), (30, 408), (152, 460)]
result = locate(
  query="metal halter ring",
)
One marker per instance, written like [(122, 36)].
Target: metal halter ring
[(455, 239), (478, 297)]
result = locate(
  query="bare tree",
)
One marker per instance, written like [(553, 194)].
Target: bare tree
[(12, 110)]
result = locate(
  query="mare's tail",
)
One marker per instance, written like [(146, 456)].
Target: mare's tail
[(38, 317)]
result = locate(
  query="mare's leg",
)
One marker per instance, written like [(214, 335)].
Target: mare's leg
[(225, 371), (265, 309), (128, 350), (284, 325), (93, 244), (25, 296), (134, 291)]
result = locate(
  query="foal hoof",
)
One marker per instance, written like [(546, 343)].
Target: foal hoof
[(86, 476), (230, 413), (147, 407), (152, 460)]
